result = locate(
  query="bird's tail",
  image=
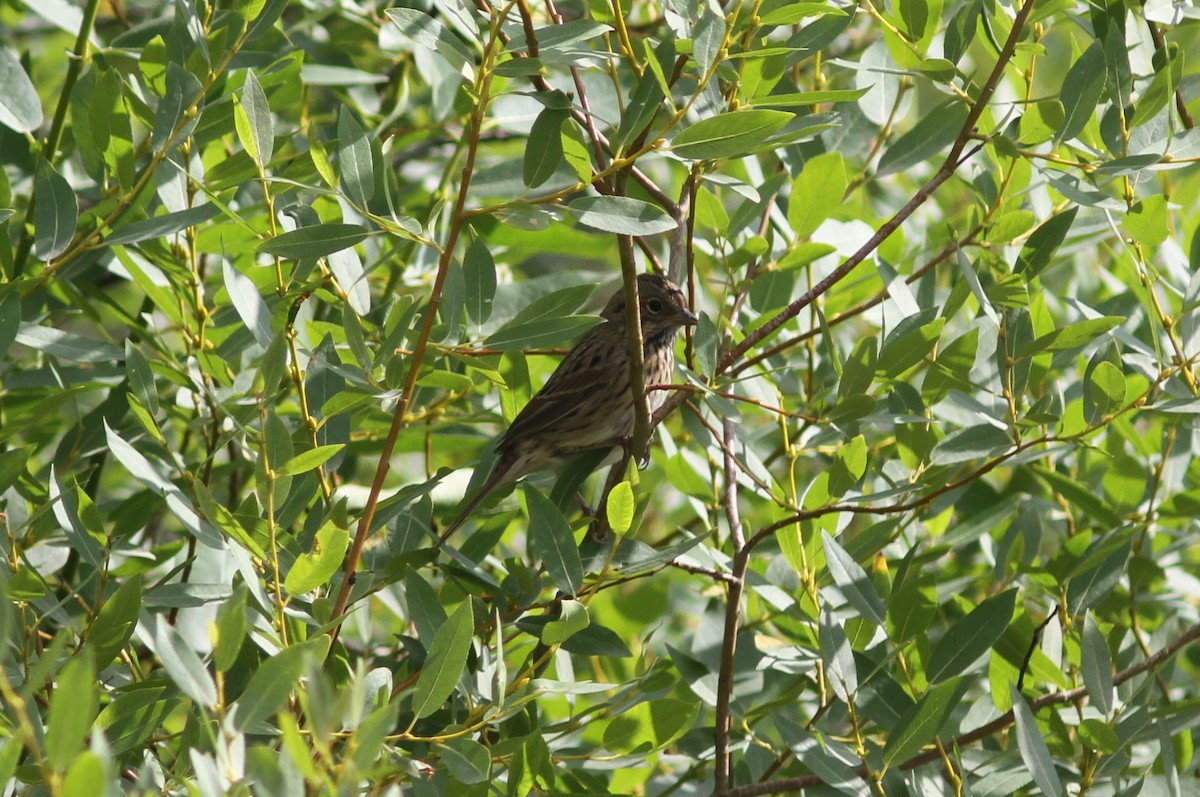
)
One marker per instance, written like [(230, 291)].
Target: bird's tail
[(499, 476)]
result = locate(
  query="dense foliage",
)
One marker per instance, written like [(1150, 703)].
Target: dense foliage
[(919, 516)]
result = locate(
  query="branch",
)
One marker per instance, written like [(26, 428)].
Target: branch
[(1189, 636)]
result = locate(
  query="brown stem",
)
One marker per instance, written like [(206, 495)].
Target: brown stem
[(418, 357)]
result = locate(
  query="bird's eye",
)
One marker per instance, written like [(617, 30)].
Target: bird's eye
[(654, 305)]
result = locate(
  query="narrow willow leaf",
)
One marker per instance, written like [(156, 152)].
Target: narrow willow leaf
[(1081, 90), (183, 666), (553, 542), (176, 114), (479, 274), (1072, 336), (650, 726), (621, 215), (309, 460), (708, 34), (316, 567), (728, 135), (429, 33), (924, 721), (230, 628), (838, 657), (544, 152), (55, 214), (573, 619), (315, 241), (115, 623), (273, 681), (971, 636), (816, 193), (252, 117), (1097, 667), (248, 303), (163, 225), (933, 133), (1044, 242), (72, 709), (620, 507), (445, 663), (853, 581), (1033, 748), (20, 107), (355, 159)]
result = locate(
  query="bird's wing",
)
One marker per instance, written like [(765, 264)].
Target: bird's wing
[(589, 372)]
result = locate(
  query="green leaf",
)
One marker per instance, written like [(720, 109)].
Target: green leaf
[(1161, 90), (429, 33), (708, 34), (539, 334), (1097, 667), (961, 30), (971, 637), (479, 275), (355, 159), (842, 673), (1148, 221), (1072, 336), (853, 581), (1044, 242), (72, 709), (905, 348), (932, 134), (252, 118), (86, 771), (315, 241), (728, 135), (573, 619), (56, 212), (544, 151), (807, 98), (911, 610), (816, 193), (1081, 90), (848, 466), (620, 507), (183, 666), (310, 460), (20, 108), (175, 115), (552, 541), (859, 368), (643, 104), (920, 724), (248, 303), (621, 215), (162, 225), (424, 608), (272, 683), (467, 761), (115, 623), (230, 630), (1033, 748), (316, 567), (1103, 391), (974, 442), (650, 726), (445, 663)]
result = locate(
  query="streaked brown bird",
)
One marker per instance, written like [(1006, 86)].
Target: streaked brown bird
[(587, 404)]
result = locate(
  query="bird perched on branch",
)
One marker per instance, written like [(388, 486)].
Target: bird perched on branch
[(587, 404)]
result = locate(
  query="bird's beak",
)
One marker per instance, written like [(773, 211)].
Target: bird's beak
[(689, 318)]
